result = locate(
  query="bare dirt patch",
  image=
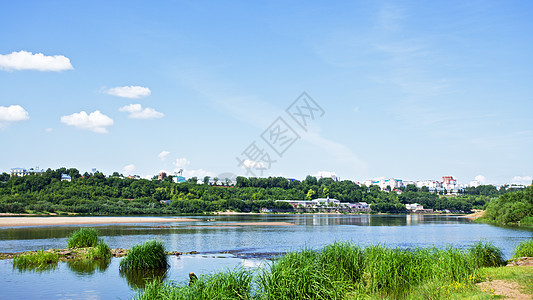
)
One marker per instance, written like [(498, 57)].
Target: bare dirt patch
[(508, 289)]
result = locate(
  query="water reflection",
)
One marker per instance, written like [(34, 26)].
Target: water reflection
[(88, 266), (137, 279), (44, 267)]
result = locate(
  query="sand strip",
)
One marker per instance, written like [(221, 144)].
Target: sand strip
[(255, 224), (47, 221)]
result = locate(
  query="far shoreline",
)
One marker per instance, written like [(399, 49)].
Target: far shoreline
[(21, 221)]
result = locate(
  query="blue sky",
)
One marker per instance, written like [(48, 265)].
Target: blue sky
[(411, 90)]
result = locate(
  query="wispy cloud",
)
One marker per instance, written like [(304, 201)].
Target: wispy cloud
[(95, 121), (137, 112), (526, 180), (163, 155), (132, 91), (24, 60), (129, 169), (13, 113), (181, 163)]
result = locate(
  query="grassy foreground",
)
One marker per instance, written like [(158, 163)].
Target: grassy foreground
[(347, 271)]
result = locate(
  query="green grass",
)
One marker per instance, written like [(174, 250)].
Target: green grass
[(101, 251), (346, 271), (524, 249), (39, 261), (486, 255), (148, 255), (83, 237), (231, 284)]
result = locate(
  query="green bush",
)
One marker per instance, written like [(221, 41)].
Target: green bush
[(149, 255), (524, 249), (83, 237)]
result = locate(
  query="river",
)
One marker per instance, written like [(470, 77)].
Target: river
[(226, 242)]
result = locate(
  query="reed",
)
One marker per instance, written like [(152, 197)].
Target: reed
[(230, 284), (83, 237), (101, 251), (346, 271), (524, 249), (148, 255), (40, 261), (486, 255)]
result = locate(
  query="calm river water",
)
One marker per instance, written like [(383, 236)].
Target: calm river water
[(226, 246)]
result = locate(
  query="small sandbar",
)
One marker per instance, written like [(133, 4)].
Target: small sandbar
[(47, 221), (247, 224)]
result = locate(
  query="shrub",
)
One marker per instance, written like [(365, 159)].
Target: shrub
[(149, 255), (524, 249), (83, 237)]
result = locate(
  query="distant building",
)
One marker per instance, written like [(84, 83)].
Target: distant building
[(162, 175), (179, 179), (65, 177), (23, 172), (414, 207)]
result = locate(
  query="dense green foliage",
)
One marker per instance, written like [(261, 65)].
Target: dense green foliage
[(83, 237), (40, 261), (512, 208), (524, 249), (341, 271), (114, 195), (148, 255)]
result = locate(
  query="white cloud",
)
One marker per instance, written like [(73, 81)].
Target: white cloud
[(181, 163), (129, 169), (481, 179), (163, 155), (137, 112), (251, 164), (132, 91), (24, 60), (49, 129), (525, 180), (325, 174), (199, 173), (13, 113), (95, 121)]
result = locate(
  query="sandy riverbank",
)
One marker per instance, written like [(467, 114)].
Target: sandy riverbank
[(47, 221)]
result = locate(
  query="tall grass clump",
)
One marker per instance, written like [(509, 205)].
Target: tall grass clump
[(524, 249), (40, 260), (83, 237), (101, 251), (342, 262), (299, 275), (231, 284), (148, 255), (486, 255)]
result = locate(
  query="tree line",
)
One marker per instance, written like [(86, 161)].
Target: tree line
[(94, 193)]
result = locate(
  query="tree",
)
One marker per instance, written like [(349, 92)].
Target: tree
[(4, 177), (310, 194), (411, 188), (215, 180), (206, 180), (325, 191)]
